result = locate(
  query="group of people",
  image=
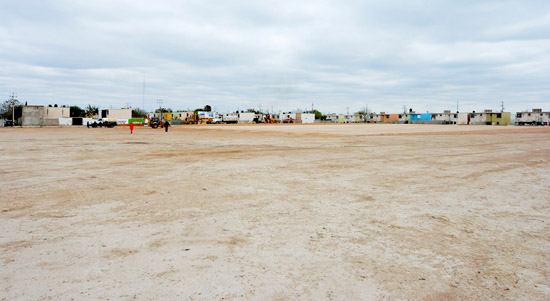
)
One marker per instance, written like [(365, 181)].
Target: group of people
[(166, 126)]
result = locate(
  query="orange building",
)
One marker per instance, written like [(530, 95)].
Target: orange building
[(389, 117)]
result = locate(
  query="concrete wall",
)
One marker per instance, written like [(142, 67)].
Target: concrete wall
[(65, 121), (32, 116), (51, 121)]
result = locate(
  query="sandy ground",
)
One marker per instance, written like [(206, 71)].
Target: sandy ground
[(319, 212)]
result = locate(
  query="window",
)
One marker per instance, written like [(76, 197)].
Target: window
[(455, 116), (499, 115), (518, 115)]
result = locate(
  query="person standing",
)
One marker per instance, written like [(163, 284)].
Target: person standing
[(166, 125), (131, 128)]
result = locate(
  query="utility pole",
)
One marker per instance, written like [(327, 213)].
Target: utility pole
[(348, 110), (457, 106), (404, 109), (159, 101), (502, 107), (12, 101), (143, 105)]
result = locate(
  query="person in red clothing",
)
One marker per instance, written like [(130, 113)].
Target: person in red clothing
[(131, 128)]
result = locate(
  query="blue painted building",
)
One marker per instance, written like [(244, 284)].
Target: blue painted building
[(421, 117)]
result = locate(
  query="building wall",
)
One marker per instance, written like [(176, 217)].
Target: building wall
[(498, 118), (230, 117), (372, 118), (308, 118), (65, 121), (389, 117), (246, 117), (59, 112), (463, 118), (445, 117), (533, 117), (119, 113), (332, 117), (51, 121), (184, 115), (478, 118), (421, 117), (167, 116), (358, 118), (32, 116), (341, 118)]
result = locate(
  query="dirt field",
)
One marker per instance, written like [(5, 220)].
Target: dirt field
[(320, 212)]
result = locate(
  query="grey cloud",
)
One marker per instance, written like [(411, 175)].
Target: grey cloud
[(285, 54)]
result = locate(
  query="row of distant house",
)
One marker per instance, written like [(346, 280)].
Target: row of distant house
[(487, 117), (55, 116), (60, 116)]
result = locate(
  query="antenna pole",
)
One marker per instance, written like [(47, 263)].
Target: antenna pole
[(143, 105)]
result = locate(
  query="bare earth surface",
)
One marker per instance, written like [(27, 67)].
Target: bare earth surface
[(320, 212)]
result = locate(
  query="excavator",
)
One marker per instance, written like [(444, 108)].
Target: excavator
[(152, 122), (270, 119), (191, 119)]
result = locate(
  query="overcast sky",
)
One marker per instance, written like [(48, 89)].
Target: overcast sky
[(285, 55)]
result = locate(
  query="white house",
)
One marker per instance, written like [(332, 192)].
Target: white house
[(536, 117), (446, 117), (57, 112), (117, 113)]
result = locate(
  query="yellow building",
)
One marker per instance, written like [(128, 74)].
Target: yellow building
[(167, 116), (503, 118)]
